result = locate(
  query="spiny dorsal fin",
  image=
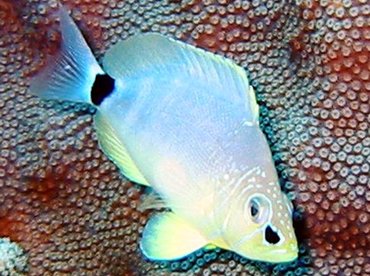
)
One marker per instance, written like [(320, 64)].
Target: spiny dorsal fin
[(116, 151), (141, 55)]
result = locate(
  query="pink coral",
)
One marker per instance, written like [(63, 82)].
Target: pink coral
[(71, 210)]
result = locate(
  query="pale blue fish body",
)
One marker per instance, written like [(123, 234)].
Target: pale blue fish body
[(185, 122), (197, 127)]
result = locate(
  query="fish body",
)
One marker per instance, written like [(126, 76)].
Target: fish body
[(185, 122)]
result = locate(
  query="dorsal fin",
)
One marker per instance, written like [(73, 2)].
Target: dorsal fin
[(141, 55)]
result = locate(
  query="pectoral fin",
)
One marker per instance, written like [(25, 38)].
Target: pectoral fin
[(116, 150), (168, 237)]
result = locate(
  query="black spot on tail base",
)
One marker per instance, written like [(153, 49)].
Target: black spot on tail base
[(102, 87)]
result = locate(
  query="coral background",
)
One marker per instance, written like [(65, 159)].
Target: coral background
[(67, 205)]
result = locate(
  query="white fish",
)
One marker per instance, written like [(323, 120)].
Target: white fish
[(185, 122)]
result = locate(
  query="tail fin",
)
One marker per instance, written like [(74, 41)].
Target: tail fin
[(69, 75)]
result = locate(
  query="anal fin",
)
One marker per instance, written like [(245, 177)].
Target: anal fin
[(116, 150), (168, 237)]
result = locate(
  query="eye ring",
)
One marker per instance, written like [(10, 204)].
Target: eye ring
[(258, 208)]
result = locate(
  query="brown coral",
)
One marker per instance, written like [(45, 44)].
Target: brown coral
[(67, 205)]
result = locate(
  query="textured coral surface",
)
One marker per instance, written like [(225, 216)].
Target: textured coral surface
[(13, 261), (67, 205)]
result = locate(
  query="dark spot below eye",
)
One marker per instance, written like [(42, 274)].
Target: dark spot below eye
[(271, 236), (102, 87)]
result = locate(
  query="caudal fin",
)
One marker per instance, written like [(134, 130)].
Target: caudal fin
[(70, 74)]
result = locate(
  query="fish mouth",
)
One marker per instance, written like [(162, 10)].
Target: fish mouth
[(274, 247), (286, 254), (285, 251), (282, 256)]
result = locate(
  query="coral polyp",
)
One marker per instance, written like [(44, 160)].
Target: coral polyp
[(13, 260)]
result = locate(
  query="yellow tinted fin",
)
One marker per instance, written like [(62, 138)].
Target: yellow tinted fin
[(116, 151), (210, 246), (168, 237), (151, 52)]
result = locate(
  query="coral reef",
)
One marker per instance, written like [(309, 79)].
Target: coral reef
[(13, 261), (71, 210)]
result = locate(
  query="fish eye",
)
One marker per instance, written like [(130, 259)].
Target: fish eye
[(254, 208), (258, 209)]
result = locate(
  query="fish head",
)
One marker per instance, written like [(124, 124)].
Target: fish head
[(261, 227)]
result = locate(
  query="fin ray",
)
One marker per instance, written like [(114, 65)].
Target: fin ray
[(70, 74), (151, 201), (168, 237), (116, 151)]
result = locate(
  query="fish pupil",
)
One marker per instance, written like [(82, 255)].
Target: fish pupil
[(102, 87), (271, 236), (254, 209)]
